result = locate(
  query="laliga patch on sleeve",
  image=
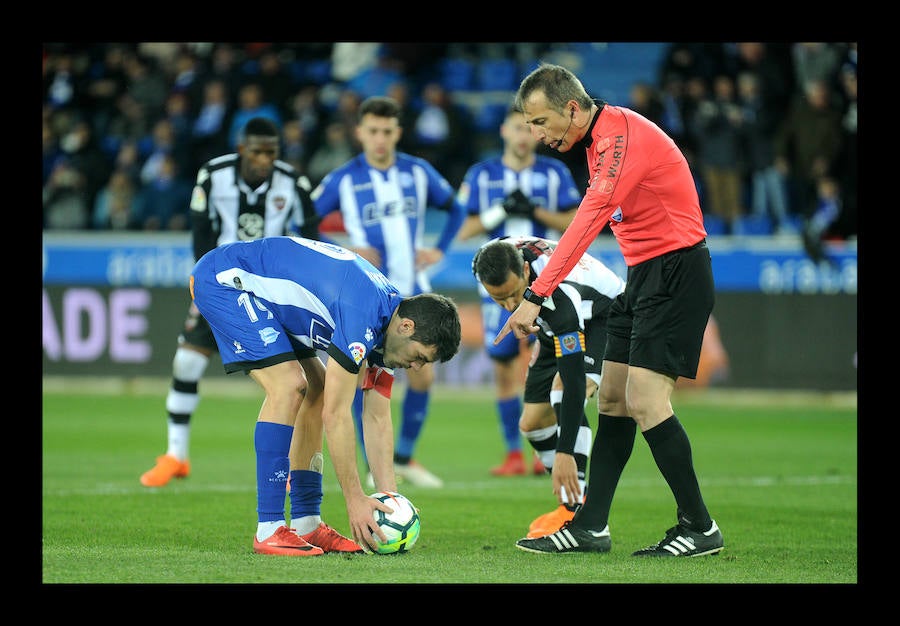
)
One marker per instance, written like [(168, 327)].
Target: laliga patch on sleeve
[(568, 343), (357, 351), (198, 199)]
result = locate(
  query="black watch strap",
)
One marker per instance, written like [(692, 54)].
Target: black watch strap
[(533, 298)]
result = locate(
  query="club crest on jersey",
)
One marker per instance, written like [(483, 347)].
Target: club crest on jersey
[(357, 351), (268, 335), (569, 343), (280, 202)]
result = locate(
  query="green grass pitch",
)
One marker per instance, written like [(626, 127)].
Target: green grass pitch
[(778, 472)]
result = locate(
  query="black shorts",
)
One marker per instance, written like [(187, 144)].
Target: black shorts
[(197, 332), (659, 320), (539, 379)]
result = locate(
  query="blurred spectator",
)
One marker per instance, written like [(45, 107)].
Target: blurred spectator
[(441, 134), (717, 124), (693, 60), (417, 62), (847, 223), (350, 58), (826, 211), (252, 102), (164, 146), (399, 91), (375, 80), (294, 150), (165, 199), (159, 53), (130, 122), (50, 150), (768, 195), (674, 117), (107, 82), (816, 61), (65, 199), (128, 160), (644, 99), (695, 92), (274, 80), (64, 79), (347, 113), (771, 64), (83, 154), (146, 85), (334, 152), (808, 144), (178, 114), (224, 66), (187, 79), (311, 115), (209, 133), (118, 203)]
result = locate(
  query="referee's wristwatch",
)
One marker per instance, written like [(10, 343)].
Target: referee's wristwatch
[(533, 298)]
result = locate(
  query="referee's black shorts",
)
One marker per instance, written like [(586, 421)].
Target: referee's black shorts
[(658, 321)]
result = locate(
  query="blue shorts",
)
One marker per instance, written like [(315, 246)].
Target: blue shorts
[(493, 317), (247, 335)]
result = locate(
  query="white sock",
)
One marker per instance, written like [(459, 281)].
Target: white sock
[(264, 530), (179, 440), (307, 524)]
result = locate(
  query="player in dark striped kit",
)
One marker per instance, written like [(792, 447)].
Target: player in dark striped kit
[(566, 370)]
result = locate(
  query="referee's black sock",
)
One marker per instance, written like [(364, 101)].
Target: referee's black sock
[(671, 450), (612, 448)]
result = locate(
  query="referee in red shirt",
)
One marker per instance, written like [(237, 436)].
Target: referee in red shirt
[(640, 184)]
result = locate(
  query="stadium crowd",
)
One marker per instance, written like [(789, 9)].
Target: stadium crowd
[(769, 129)]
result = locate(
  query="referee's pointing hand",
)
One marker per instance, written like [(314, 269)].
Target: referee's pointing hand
[(521, 322)]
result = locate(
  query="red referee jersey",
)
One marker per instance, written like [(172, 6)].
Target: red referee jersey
[(640, 184)]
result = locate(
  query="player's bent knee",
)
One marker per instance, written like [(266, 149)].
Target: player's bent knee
[(189, 365)]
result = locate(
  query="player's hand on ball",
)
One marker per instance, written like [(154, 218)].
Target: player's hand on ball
[(361, 512)]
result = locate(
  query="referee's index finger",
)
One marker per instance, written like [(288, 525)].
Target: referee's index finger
[(503, 332)]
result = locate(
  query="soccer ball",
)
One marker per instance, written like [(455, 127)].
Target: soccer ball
[(401, 527)]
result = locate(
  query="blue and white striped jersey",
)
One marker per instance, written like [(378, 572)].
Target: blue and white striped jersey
[(548, 183), (324, 296), (385, 209)]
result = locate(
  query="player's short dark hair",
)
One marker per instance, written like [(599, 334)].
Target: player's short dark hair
[(437, 322), (495, 260), (259, 127), (379, 106)]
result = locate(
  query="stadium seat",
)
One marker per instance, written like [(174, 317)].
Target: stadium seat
[(457, 74), (498, 75), (753, 225), (714, 225), (489, 116)]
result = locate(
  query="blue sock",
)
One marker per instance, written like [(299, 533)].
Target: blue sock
[(306, 493), (415, 408), (272, 443), (510, 410)]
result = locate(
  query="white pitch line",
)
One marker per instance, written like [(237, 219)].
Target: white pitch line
[(108, 489)]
